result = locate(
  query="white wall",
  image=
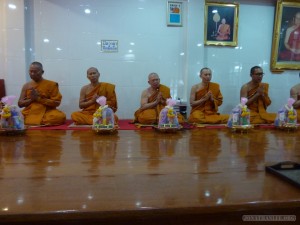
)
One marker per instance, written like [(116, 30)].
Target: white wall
[(175, 53), (12, 57)]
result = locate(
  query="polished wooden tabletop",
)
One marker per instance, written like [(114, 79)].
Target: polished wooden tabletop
[(81, 174)]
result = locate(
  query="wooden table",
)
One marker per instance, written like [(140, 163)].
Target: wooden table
[(145, 177)]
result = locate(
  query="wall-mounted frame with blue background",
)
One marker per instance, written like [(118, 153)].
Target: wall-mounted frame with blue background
[(174, 13)]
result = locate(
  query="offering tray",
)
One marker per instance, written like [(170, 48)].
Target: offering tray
[(288, 171), (167, 128), (12, 131), (105, 129), (241, 128), (288, 126)]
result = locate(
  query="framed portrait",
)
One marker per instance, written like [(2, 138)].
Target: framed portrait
[(109, 46), (285, 53), (221, 24), (174, 13)]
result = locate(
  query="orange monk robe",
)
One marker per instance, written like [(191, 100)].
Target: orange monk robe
[(294, 42), (151, 116), (43, 111), (224, 32), (258, 113), (298, 115), (208, 112), (85, 117)]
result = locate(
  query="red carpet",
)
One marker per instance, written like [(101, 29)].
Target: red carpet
[(123, 125), (59, 127), (127, 125)]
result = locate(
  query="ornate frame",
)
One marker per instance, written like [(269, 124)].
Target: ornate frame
[(213, 16), (281, 57)]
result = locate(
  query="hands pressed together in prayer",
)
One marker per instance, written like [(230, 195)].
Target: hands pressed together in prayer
[(34, 94), (160, 98), (260, 90), (208, 96), (26, 101), (95, 97)]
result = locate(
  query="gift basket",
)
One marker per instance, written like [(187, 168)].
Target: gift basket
[(104, 118), (286, 116), (168, 121), (240, 117), (11, 118)]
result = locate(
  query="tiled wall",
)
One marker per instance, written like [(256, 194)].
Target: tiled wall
[(61, 35)]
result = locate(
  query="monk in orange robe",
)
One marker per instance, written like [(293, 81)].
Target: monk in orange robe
[(258, 98), (153, 100), (88, 96), (292, 41), (295, 94), (205, 98), (223, 31), (40, 97)]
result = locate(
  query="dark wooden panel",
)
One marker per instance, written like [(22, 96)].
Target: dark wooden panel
[(2, 88)]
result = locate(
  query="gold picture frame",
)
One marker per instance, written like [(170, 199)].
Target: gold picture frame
[(285, 53), (221, 24)]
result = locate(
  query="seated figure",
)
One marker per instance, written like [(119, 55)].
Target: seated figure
[(223, 31), (88, 96), (40, 99), (291, 51), (153, 100), (205, 98), (168, 116), (257, 94)]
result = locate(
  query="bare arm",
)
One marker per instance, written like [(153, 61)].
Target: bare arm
[(244, 94), (83, 101), (23, 100), (148, 105), (194, 102), (50, 98), (262, 92)]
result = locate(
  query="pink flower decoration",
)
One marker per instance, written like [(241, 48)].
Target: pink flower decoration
[(8, 100), (171, 102), (244, 101), (101, 100), (290, 102)]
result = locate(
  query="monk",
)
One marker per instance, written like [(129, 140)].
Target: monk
[(88, 96), (205, 98), (295, 94), (40, 97), (292, 41), (258, 98), (153, 100), (223, 31)]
